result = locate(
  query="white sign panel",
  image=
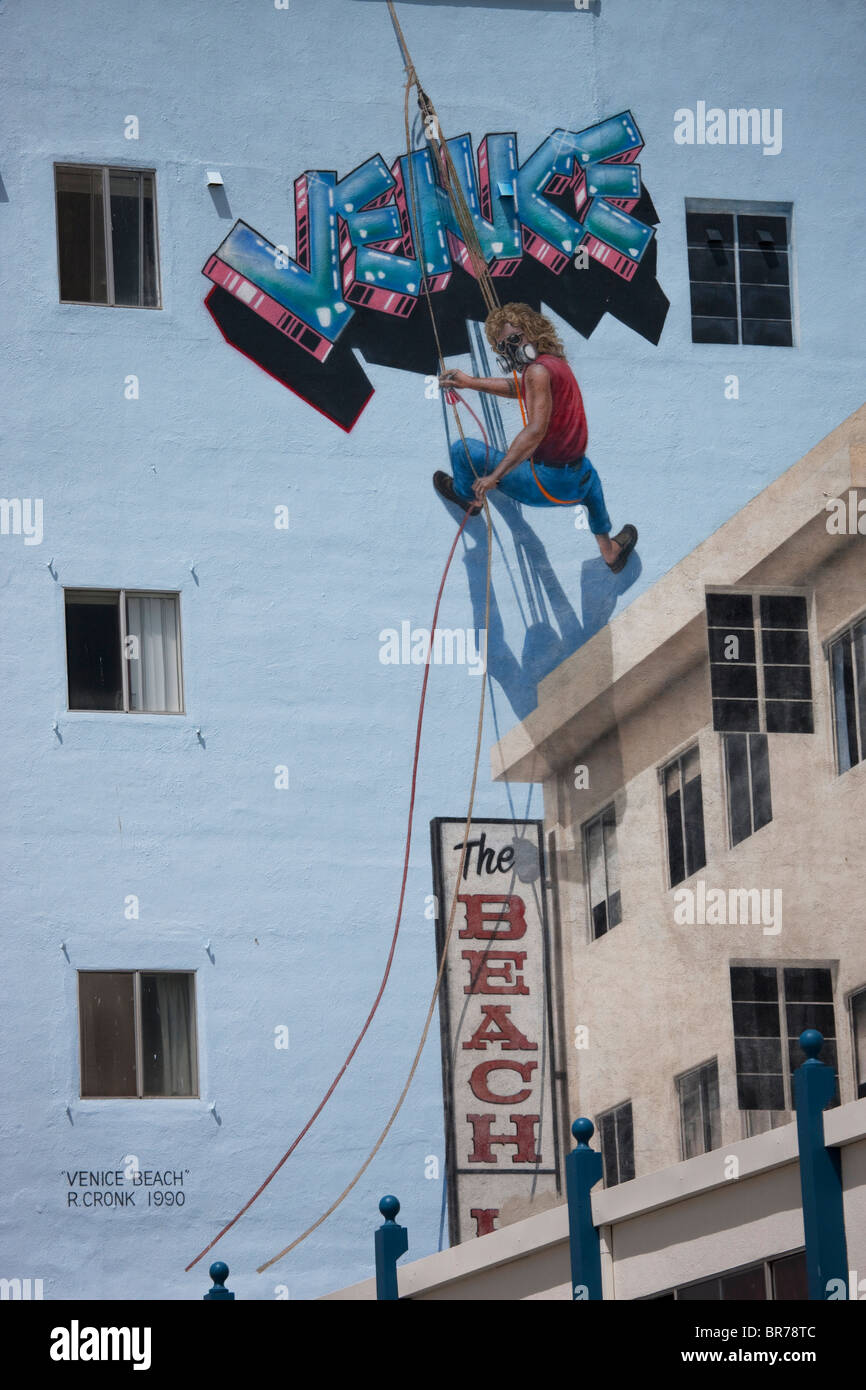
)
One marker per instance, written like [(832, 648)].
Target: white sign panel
[(502, 1150)]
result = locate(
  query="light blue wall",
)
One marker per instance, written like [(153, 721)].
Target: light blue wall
[(296, 890)]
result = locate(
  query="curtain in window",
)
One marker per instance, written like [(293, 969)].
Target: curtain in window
[(168, 1035), (154, 668)]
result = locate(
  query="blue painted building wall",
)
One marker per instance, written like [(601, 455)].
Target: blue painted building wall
[(296, 890)]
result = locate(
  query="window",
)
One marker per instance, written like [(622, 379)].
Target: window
[(602, 872), (771, 1007), (684, 816), (848, 675), (700, 1122), (104, 624), (858, 1028), (739, 272), (137, 1033), (782, 1280), (747, 778), (616, 1136), (760, 675), (106, 235)]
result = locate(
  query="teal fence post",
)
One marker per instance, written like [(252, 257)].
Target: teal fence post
[(219, 1272), (583, 1168), (820, 1176), (392, 1241)]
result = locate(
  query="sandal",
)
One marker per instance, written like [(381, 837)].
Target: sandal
[(626, 539)]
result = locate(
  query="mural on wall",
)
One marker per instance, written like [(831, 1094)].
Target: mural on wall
[(571, 227)]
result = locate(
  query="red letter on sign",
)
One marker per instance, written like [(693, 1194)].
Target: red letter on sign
[(523, 1139), (481, 968), (484, 1218), (508, 1033), (514, 913), (478, 1081)]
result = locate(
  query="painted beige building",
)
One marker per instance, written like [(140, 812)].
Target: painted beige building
[(645, 1013)]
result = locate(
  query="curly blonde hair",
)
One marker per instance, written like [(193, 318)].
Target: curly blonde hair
[(535, 327)]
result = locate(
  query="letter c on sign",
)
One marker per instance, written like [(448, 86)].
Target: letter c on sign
[(478, 1081)]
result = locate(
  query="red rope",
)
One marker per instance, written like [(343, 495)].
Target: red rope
[(333, 1086)]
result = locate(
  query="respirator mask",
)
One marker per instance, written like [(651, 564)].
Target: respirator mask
[(512, 355)]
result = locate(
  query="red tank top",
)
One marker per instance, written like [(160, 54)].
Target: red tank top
[(566, 438)]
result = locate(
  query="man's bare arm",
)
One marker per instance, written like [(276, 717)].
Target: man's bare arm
[(492, 385)]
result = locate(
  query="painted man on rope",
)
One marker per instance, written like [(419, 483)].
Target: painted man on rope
[(546, 463)]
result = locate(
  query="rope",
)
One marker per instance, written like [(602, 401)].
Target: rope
[(444, 955), (333, 1086)]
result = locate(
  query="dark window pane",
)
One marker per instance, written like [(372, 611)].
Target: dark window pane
[(733, 715), (167, 1035), (785, 648), (599, 919), (733, 681), (820, 1016), (765, 302), (714, 330), (760, 1092), (808, 984), (711, 300), (712, 1112), (699, 223), (750, 224), (150, 278), (758, 1054), (694, 817), (787, 717), (842, 669), (748, 1284), (723, 649), (783, 610), (607, 1139), (756, 1020), (699, 1293), (754, 982), (790, 1283), (762, 268), (93, 655), (676, 848), (625, 1143), (766, 333), (81, 235), (787, 683), (736, 767), (730, 610), (711, 263), (107, 1024), (614, 907), (858, 1019), (762, 805)]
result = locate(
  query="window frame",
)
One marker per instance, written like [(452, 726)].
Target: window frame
[(757, 592), (609, 806), (106, 170), (846, 630), (613, 1111), (859, 1081), (745, 207), (676, 759), (682, 1076), (769, 1279), (195, 1094), (122, 595), (726, 783)]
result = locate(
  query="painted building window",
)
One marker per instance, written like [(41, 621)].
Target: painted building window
[(602, 872), (137, 1033), (760, 672), (700, 1115), (684, 816), (747, 783), (106, 235), (740, 272), (123, 651), (858, 1028), (771, 1007), (616, 1136), (848, 676), (776, 1281)]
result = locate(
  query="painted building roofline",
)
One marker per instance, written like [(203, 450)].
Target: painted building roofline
[(779, 535)]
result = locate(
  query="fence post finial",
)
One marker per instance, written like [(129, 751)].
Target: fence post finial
[(583, 1169), (391, 1242), (219, 1272)]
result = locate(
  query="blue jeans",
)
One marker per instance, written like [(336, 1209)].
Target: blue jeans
[(575, 485)]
